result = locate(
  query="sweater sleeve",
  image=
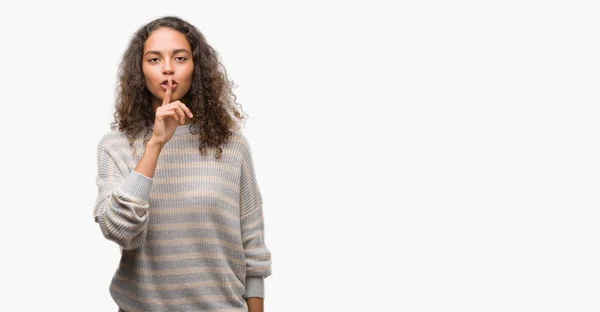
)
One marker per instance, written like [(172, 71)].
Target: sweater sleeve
[(257, 255), (121, 207)]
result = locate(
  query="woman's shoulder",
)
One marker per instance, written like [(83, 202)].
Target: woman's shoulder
[(238, 135), (112, 139), (239, 139)]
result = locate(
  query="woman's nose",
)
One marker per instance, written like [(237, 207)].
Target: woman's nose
[(167, 69)]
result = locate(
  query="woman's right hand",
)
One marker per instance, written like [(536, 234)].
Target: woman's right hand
[(168, 117)]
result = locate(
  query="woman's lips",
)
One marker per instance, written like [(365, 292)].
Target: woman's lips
[(164, 86)]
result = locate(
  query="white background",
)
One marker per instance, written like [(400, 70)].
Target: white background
[(412, 156)]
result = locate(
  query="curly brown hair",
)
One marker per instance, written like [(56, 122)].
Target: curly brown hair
[(210, 98)]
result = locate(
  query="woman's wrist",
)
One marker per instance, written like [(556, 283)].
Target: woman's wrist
[(153, 143)]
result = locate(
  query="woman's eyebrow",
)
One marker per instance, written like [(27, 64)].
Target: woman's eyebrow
[(174, 51)]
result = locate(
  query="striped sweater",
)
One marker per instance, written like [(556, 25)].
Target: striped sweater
[(191, 237)]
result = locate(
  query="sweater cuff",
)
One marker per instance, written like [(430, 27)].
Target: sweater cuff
[(137, 185), (255, 287)]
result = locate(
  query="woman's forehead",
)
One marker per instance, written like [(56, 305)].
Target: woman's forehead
[(166, 40)]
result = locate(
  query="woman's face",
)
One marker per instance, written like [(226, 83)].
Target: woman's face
[(167, 53)]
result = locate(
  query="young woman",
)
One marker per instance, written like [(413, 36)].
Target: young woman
[(176, 184)]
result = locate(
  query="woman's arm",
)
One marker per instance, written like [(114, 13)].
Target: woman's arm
[(257, 255), (147, 164), (121, 207), (255, 304)]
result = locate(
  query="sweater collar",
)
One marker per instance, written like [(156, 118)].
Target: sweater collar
[(184, 129)]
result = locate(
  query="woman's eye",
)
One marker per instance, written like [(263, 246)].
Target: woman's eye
[(181, 58), (152, 60)]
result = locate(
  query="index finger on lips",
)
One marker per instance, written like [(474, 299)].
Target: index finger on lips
[(167, 98)]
